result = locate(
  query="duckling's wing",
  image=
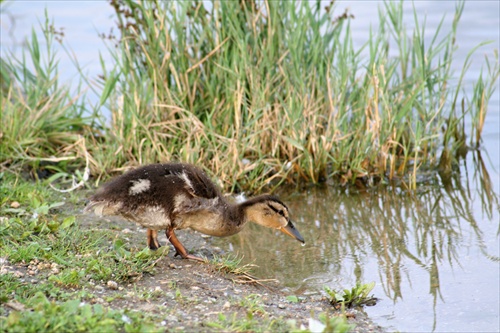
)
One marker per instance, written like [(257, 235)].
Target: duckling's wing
[(196, 182), (197, 205)]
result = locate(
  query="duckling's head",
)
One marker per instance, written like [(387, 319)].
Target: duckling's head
[(269, 211)]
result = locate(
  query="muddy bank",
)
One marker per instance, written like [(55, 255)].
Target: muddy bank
[(192, 296)]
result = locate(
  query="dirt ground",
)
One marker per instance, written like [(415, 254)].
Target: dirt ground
[(189, 294), (194, 296)]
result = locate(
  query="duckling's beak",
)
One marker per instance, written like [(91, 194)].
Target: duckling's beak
[(290, 230)]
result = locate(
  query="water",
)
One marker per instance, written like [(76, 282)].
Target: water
[(434, 254)]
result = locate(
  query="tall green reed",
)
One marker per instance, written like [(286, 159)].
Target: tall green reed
[(42, 121), (265, 92), (261, 91)]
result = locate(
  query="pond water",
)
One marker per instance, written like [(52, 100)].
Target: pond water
[(433, 253)]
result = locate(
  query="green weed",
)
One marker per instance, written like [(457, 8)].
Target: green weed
[(73, 316), (356, 296), (253, 304), (234, 323)]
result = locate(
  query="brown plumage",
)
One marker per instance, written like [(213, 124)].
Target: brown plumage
[(174, 196)]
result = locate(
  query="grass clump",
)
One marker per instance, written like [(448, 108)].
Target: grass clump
[(267, 90), (258, 93), (356, 297), (231, 264), (73, 316), (43, 122)]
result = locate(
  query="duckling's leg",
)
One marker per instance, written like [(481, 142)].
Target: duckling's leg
[(179, 248), (153, 239)]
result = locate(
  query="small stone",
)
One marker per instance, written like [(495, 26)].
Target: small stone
[(281, 306), (171, 318), (226, 305), (15, 305), (15, 204), (173, 266), (195, 288), (18, 274), (112, 285), (126, 231)]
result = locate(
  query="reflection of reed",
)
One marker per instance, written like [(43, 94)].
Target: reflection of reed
[(394, 225)]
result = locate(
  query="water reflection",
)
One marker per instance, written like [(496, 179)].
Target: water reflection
[(407, 232)]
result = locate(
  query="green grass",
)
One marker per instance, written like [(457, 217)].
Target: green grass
[(235, 323), (257, 93), (73, 316), (41, 240)]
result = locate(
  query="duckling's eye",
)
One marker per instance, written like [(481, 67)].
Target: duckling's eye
[(282, 213)]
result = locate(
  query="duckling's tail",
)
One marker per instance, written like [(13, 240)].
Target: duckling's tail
[(101, 208)]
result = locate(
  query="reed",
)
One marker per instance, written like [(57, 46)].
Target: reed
[(263, 92), (42, 121)]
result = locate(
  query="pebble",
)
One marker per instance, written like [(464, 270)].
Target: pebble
[(281, 306), (226, 305), (15, 204), (18, 274), (112, 285)]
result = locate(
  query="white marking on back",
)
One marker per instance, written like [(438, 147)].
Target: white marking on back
[(187, 181), (139, 186)]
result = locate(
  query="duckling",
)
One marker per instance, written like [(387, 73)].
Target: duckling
[(173, 196)]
